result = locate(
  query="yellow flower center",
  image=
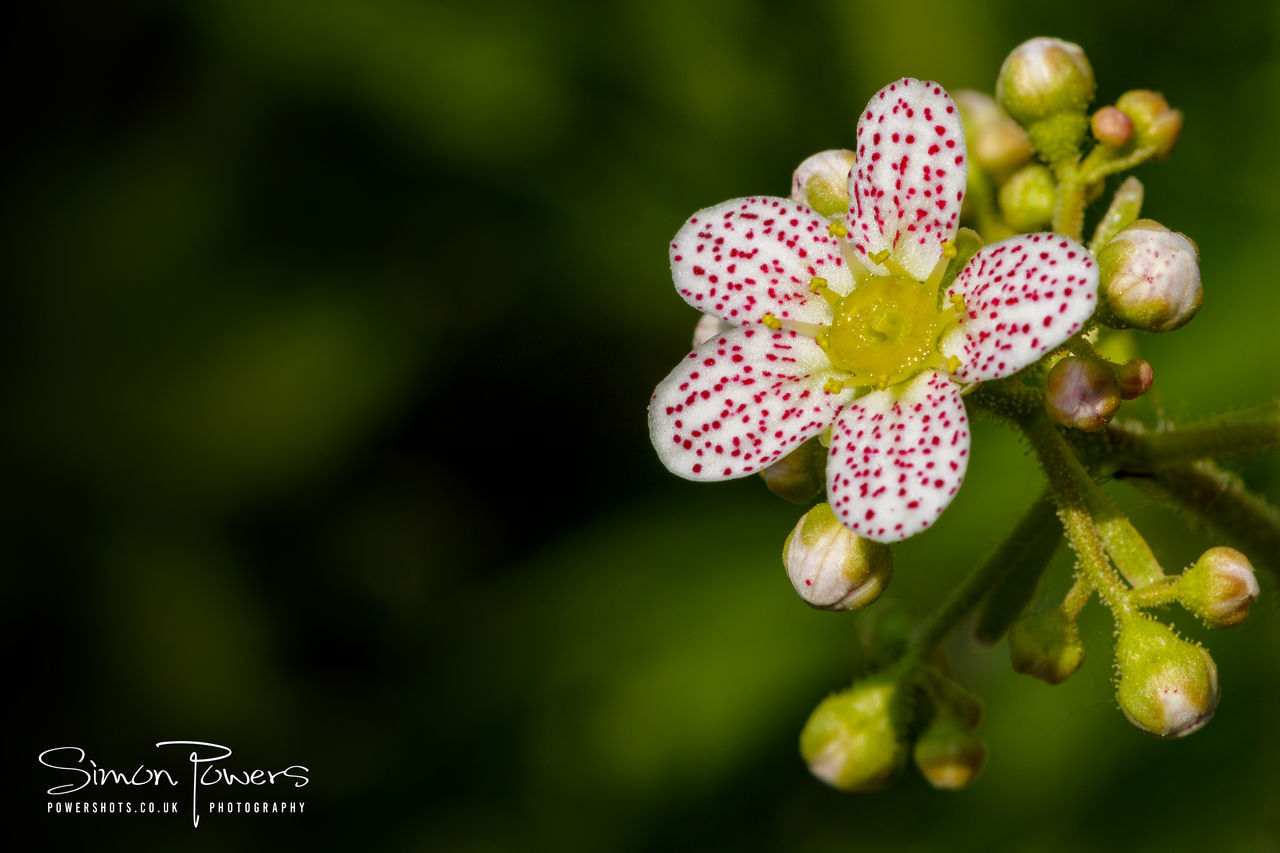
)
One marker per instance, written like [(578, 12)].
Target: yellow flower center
[(885, 331)]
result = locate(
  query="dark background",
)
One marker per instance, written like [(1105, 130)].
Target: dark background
[(328, 332)]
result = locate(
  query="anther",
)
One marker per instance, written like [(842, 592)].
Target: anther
[(837, 229), (817, 284), (952, 364), (771, 321), (833, 386), (949, 249), (879, 257)]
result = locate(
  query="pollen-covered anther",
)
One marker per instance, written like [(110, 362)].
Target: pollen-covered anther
[(949, 249), (771, 321), (835, 229), (833, 386)]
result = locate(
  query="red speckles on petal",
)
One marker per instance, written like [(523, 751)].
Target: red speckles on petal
[(1023, 296), (754, 256), (731, 418), (898, 457), (905, 190)]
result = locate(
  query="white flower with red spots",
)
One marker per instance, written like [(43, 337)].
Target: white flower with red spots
[(843, 325)]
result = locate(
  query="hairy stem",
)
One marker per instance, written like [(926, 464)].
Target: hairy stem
[(1219, 502), (1069, 483), (1244, 432), (1026, 553)]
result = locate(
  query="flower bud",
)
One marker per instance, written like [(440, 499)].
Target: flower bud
[(1149, 278), (830, 566), (1136, 376), (1112, 126), (1082, 393), (1220, 588), (801, 475), (708, 327), (948, 755), (995, 142), (851, 739), (1155, 124), (1043, 77), (822, 182), (1046, 645), (1167, 686), (1026, 199)]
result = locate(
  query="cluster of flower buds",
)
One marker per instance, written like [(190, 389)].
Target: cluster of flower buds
[(830, 566), (1046, 84), (1085, 393), (858, 739)]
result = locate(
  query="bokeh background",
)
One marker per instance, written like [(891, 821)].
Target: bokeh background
[(329, 329)]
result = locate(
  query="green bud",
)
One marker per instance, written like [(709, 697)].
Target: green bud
[(1112, 126), (1136, 376), (1044, 77), (801, 475), (948, 755), (1149, 278), (1082, 393), (1046, 645), (830, 566), (1155, 124), (1026, 199), (851, 740), (1220, 588), (1167, 686), (822, 182), (996, 143)]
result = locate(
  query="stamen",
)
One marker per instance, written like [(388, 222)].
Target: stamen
[(818, 285), (879, 257), (833, 386), (949, 249), (837, 229), (958, 301), (952, 364), (771, 321)]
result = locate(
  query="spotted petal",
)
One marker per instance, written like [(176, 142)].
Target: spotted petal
[(908, 182), (1023, 296), (897, 457), (740, 402), (754, 256)]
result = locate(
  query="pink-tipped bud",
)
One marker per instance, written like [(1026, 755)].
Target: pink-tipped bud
[(1220, 588), (1149, 278), (1082, 394), (1155, 124), (1167, 686), (1112, 126), (1136, 376), (833, 568), (822, 182)]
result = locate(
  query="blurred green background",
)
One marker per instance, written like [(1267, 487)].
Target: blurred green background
[(330, 328)]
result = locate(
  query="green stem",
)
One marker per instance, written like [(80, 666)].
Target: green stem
[(1026, 554), (1155, 595), (1069, 483), (1068, 205), (1095, 167), (1219, 501), (1247, 431), (962, 599), (1077, 597)]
